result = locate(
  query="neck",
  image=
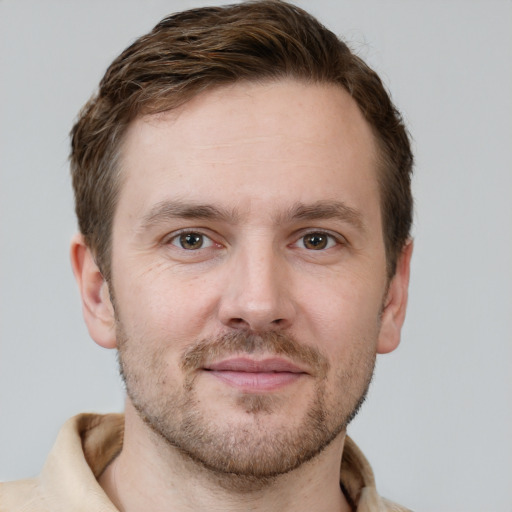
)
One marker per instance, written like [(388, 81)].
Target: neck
[(149, 474)]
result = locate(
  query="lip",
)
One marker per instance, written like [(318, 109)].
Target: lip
[(249, 365), (253, 376)]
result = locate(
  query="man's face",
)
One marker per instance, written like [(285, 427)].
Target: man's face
[(249, 272)]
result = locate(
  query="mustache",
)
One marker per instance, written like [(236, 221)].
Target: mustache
[(207, 350)]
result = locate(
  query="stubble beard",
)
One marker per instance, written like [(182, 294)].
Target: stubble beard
[(247, 455)]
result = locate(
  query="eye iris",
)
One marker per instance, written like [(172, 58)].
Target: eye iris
[(191, 240), (315, 241)]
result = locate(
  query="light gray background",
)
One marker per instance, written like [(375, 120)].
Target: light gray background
[(438, 422)]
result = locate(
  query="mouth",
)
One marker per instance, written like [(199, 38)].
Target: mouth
[(256, 376)]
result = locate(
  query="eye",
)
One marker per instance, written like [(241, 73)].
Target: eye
[(317, 241), (191, 241)]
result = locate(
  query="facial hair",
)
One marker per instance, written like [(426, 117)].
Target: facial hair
[(249, 451)]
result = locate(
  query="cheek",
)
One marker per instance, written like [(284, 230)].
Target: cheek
[(343, 313), (158, 302)]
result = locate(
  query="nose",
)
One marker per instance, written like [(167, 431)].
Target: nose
[(258, 293)]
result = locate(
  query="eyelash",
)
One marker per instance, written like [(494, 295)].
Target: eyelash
[(331, 240), (176, 237)]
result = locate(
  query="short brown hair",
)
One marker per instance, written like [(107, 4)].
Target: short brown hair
[(196, 50)]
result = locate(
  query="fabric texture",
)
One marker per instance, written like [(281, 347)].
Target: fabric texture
[(87, 443)]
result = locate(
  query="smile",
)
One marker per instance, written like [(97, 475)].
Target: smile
[(251, 376)]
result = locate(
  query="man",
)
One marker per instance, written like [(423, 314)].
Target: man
[(242, 186)]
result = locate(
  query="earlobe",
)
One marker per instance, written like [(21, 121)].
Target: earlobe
[(395, 305), (96, 304)]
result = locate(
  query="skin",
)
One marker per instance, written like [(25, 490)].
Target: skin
[(290, 243)]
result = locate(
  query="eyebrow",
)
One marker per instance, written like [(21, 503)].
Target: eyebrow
[(324, 210), (168, 210)]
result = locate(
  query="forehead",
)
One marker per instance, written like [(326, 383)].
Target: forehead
[(252, 145)]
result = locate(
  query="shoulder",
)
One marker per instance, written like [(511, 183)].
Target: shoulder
[(85, 445), (390, 506), (21, 496), (358, 482)]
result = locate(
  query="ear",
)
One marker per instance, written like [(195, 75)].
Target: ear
[(96, 305), (393, 314)]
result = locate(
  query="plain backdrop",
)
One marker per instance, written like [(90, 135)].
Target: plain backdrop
[(437, 426)]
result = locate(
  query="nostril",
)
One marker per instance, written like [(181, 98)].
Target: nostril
[(239, 323)]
